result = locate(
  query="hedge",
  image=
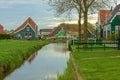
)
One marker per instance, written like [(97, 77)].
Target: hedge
[(5, 36)]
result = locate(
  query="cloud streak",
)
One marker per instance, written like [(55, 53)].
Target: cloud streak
[(15, 12)]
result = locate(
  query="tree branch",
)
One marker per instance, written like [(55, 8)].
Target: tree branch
[(90, 3)]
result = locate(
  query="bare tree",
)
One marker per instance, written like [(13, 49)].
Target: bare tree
[(90, 6), (66, 6), (82, 6)]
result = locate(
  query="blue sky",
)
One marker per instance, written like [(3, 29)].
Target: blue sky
[(14, 12)]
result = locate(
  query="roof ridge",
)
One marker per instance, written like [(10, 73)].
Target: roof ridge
[(114, 11), (27, 21)]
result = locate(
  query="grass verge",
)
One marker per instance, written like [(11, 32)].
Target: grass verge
[(14, 52), (69, 73), (98, 64), (95, 65)]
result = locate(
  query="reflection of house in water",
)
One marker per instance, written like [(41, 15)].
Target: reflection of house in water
[(59, 48), (32, 57)]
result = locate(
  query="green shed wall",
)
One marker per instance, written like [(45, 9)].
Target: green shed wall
[(114, 23), (61, 34)]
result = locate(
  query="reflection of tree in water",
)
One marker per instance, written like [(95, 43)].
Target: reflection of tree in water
[(32, 57)]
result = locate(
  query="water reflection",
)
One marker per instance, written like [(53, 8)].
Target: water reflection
[(32, 57), (44, 65)]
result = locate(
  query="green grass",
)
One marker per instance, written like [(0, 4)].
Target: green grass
[(97, 64), (94, 65), (69, 73), (14, 51)]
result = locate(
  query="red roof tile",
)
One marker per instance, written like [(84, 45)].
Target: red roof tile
[(55, 31), (103, 14), (2, 30), (28, 21), (1, 26)]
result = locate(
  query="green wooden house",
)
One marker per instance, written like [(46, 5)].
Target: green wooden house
[(58, 32), (28, 30), (100, 29), (112, 22), (61, 33)]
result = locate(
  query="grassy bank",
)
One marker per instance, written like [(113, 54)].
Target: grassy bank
[(97, 64), (14, 52), (69, 73)]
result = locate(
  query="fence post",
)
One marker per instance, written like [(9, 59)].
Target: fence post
[(104, 46), (91, 47), (78, 45), (119, 35), (119, 43)]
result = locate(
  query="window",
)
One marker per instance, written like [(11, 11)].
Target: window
[(28, 29), (25, 34), (30, 33)]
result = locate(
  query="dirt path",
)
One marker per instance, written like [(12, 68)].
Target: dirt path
[(101, 57), (78, 77)]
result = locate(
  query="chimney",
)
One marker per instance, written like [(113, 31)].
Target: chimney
[(111, 8)]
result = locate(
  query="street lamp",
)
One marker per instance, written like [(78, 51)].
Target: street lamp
[(119, 31)]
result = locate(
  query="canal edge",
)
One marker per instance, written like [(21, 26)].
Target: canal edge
[(78, 77)]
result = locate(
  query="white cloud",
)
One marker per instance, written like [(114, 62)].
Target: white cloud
[(14, 2), (11, 3), (15, 12), (93, 18), (20, 2)]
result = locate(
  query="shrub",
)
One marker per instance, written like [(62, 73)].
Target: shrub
[(5, 36), (113, 36)]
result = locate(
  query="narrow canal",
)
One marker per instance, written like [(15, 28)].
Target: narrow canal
[(44, 64)]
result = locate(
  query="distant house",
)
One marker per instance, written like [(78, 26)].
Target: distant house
[(102, 15), (112, 22), (90, 34), (45, 32), (2, 30), (72, 30), (58, 32), (28, 30)]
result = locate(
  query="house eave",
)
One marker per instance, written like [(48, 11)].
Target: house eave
[(24, 28)]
